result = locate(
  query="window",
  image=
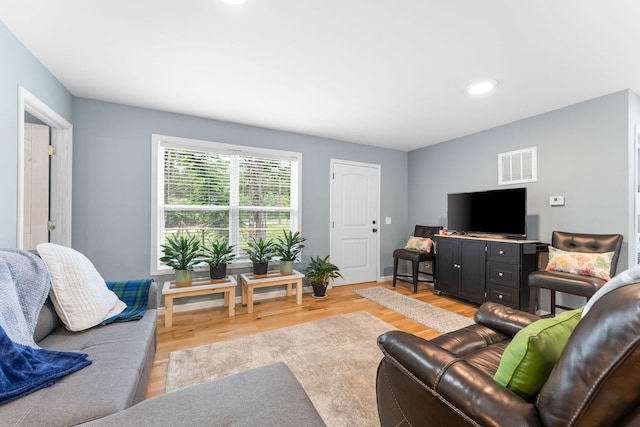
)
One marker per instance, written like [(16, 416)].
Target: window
[(213, 190)]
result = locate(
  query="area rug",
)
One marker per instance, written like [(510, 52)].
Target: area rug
[(434, 317), (334, 359)]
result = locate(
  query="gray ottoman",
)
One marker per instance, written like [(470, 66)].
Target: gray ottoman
[(266, 396)]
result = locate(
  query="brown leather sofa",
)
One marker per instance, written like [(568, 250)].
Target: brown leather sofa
[(448, 381)]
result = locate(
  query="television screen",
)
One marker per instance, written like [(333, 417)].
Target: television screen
[(490, 212)]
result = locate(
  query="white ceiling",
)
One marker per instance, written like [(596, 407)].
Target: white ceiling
[(388, 73)]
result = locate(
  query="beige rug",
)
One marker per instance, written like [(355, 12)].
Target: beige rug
[(429, 315), (334, 359)]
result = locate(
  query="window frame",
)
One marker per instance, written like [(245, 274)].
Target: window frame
[(157, 177)]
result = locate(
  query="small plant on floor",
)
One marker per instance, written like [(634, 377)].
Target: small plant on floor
[(218, 254), (288, 247), (321, 273), (181, 254)]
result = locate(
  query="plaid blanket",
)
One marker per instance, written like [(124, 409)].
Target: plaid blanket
[(134, 293)]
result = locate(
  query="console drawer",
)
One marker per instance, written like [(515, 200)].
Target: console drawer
[(503, 295), (503, 252), (503, 274)]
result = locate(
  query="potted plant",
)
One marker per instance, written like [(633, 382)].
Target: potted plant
[(288, 247), (321, 272), (218, 254), (260, 253), (181, 254)]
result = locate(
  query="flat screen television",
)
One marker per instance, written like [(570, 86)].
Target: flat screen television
[(502, 212)]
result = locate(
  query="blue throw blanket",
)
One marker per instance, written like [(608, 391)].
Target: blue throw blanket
[(134, 293), (24, 367)]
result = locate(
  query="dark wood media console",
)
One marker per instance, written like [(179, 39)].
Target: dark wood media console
[(483, 269)]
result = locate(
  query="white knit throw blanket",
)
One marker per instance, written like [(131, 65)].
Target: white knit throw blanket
[(24, 286)]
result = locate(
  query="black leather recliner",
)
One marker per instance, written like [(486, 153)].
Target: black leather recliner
[(448, 381)]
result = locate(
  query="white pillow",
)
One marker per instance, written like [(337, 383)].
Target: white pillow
[(79, 293)]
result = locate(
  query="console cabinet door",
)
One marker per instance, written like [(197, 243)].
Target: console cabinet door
[(472, 270), (447, 260)]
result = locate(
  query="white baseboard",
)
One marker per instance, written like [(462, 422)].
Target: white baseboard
[(385, 278), (219, 302)]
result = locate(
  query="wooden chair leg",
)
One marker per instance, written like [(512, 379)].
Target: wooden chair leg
[(395, 270), (415, 266), (553, 302)]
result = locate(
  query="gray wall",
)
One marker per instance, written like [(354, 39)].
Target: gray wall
[(20, 68), (112, 181), (582, 155)]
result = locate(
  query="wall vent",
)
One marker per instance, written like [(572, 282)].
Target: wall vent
[(515, 167)]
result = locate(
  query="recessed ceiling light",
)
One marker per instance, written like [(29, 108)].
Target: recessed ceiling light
[(482, 87), (234, 1)]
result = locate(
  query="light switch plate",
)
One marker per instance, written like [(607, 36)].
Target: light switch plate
[(556, 201), (387, 220)]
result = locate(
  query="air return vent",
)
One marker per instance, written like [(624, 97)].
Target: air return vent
[(515, 167)]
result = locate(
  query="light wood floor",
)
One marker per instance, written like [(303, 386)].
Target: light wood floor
[(199, 327)]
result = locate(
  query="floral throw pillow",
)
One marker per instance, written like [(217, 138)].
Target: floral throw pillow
[(419, 243), (587, 264)]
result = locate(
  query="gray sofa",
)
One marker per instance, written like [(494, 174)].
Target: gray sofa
[(111, 391), (122, 355), (268, 396)]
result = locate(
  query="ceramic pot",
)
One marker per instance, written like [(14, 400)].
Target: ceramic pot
[(184, 278), (219, 272), (260, 269), (286, 267), (319, 290)]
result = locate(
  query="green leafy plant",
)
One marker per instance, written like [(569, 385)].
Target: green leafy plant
[(289, 245), (321, 271), (218, 253), (261, 251), (181, 253)]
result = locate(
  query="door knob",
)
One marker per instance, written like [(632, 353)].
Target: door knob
[(375, 230)]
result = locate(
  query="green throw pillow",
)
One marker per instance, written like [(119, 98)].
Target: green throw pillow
[(531, 355)]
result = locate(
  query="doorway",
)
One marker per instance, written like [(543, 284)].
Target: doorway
[(355, 207), (60, 168)]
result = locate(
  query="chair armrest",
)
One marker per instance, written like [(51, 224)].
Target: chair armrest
[(454, 381), (504, 319), (483, 400), (152, 302), (422, 358)]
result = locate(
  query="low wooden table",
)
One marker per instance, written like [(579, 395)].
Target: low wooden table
[(198, 287), (249, 283)]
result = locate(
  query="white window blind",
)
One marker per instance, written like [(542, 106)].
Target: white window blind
[(220, 191)]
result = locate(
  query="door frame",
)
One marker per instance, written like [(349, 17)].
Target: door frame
[(61, 165), (378, 168)]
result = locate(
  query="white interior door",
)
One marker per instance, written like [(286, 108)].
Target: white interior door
[(355, 195), (36, 185)]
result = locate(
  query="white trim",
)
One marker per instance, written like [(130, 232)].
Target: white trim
[(61, 164), (378, 168)]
